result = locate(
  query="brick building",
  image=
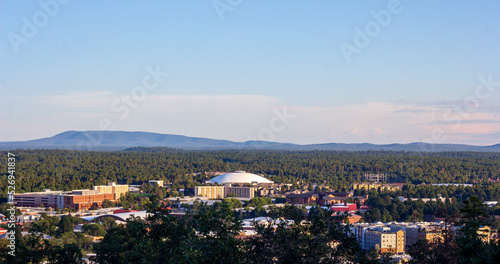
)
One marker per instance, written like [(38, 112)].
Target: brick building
[(76, 199), (302, 198), (86, 199)]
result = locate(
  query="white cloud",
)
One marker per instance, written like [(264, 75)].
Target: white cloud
[(240, 117), (353, 131)]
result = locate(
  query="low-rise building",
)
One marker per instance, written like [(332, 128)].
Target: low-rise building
[(302, 198), (76, 199), (158, 182), (86, 199)]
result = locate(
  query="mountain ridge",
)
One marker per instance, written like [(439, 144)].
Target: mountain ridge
[(120, 140)]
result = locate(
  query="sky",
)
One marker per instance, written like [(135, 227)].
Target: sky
[(286, 71)]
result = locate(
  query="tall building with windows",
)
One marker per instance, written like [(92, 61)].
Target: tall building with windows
[(212, 192), (388, 242), (117, 190), (221, 192)]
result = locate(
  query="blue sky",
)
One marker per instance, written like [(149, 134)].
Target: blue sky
[(239, 70)]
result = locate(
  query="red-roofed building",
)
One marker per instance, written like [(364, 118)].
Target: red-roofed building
[(345, 207)]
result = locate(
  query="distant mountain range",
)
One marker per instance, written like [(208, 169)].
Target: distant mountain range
[(120, 140)]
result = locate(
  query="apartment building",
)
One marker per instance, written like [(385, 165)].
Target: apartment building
[(221, 192), (117, 190), (377, 186), (211, 192), (388, 242), (241, 192)]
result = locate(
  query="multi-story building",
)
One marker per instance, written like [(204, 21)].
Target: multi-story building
[(212, 192), (47, 198), (85, 199), (378, 186), (76, 199), (388, 242), (241, 192), (220, 192), (302, 198), (484, 233), (375, 177), (160, 183), (117, 190), (366, 185)]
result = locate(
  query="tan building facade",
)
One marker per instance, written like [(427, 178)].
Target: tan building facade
[(241, 192), (117, 190), (211, 192), (388, 242), (377, 186), (221, 192)]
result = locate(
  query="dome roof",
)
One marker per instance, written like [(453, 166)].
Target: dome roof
[(239, 177)]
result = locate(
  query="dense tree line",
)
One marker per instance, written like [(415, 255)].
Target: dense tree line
[(66, 170), (211, 234), (466, 246), (387, 206)]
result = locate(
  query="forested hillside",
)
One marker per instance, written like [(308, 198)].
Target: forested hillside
[(66, 170)]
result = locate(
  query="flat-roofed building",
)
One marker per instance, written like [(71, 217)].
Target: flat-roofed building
[(241, 192), (117, 190), (388, 242), (47, 198), (484, 233), (160, 183), (365, 185), (221, 192), (211, 192), (86, 199), (302, 198), (375, 177), (76, 199)]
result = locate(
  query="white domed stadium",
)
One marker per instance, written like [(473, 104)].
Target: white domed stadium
[(239, 177)]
